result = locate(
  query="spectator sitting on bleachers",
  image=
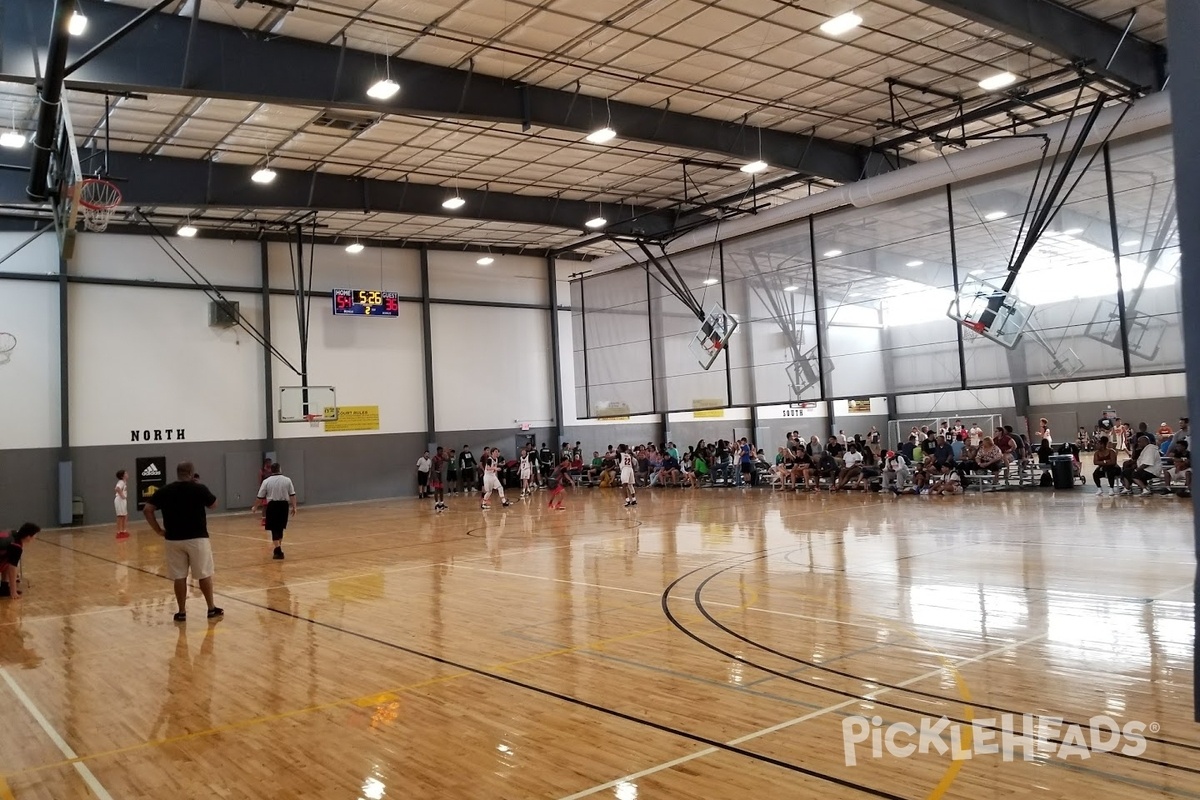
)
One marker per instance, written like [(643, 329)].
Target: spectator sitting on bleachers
[(851, 467), (1105, 459), (1147, 467), (1181, 467), (1006, 443), (895, 473), (990, 457)]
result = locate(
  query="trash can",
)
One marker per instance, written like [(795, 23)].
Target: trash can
[(1062, 470)]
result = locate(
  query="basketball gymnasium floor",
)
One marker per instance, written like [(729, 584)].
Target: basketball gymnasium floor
[(710, 644)]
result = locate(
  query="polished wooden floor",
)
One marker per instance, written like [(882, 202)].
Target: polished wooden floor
[(708, 644)]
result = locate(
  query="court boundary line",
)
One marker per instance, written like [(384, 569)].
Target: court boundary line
[(757, 734), (550, 693), (82, 769)]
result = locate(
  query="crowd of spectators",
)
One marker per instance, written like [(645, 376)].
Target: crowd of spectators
[(943, 460)]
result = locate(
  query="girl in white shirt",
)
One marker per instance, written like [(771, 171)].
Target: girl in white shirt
[(121, 504)]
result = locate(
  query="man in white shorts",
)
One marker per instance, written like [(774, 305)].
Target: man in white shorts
[(626, 463), (491, 480), (183, 505)]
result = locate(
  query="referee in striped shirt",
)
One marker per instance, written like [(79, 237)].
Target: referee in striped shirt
[(278, 494)]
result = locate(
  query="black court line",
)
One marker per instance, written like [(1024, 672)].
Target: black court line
[(665, 598), (483, 673)]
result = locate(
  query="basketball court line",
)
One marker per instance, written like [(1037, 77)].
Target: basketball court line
[(957, 663), (59, 742), (792, 722)]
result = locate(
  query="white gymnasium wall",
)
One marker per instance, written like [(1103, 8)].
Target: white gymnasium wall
[(146, 358), (370, 361), (510, 279), (491, 367), (29, 382), (388, 268), (1112, 390), (39, 257), (222, 262)]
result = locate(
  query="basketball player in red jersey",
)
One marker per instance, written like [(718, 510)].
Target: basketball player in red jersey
[(491, 480), (559, 480)]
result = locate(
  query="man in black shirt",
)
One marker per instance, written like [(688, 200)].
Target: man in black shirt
[(467, 478), (183, 505), (1105, 424)]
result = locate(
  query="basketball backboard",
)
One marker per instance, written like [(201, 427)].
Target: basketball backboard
[(307, 404), (991, 311), (713, 335), (63, 180)]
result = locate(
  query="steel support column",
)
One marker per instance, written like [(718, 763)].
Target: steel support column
[(555, 348), (268, 358), (66, 487), (427, 350), (1183, 26)]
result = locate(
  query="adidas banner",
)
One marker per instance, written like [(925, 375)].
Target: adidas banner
[(151, 476)]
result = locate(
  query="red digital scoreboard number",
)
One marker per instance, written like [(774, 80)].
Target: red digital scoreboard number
[(365, 303)]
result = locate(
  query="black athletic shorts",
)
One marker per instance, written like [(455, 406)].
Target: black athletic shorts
[(277, 515)]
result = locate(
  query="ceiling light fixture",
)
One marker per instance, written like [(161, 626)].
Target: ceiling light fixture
[(384, 89), (1072, 231), (602, 136), (354, 248), (914, 263), (264, 175), (840, 24), (596, 222), (755, 167), (992, 216), (1131, 243), (77, 24), (998, 81), (187, 230), (832, 253), (486, 261), (791, 288), (12, 139), (453, 203), (711, 281)]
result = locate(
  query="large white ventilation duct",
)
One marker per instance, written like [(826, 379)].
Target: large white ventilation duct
[(1149, 114)]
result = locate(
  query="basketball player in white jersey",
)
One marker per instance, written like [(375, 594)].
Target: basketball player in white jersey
[(491, 480), (526, 461), (626, 464)]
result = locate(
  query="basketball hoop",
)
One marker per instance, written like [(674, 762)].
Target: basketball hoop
[(314, 419), (99, 199)]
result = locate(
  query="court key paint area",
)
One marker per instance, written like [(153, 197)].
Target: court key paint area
[(708, 644)]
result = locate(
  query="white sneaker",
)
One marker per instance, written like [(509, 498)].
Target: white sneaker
[(1099, 491), (1146, 493)]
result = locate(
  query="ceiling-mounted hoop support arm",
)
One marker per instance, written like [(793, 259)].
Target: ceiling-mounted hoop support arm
[(667, 276)]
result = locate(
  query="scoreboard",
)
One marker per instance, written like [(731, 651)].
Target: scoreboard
[(366, 303)]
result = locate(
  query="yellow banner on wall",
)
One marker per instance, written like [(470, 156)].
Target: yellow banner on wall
[(353, 418), (708, 409)]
